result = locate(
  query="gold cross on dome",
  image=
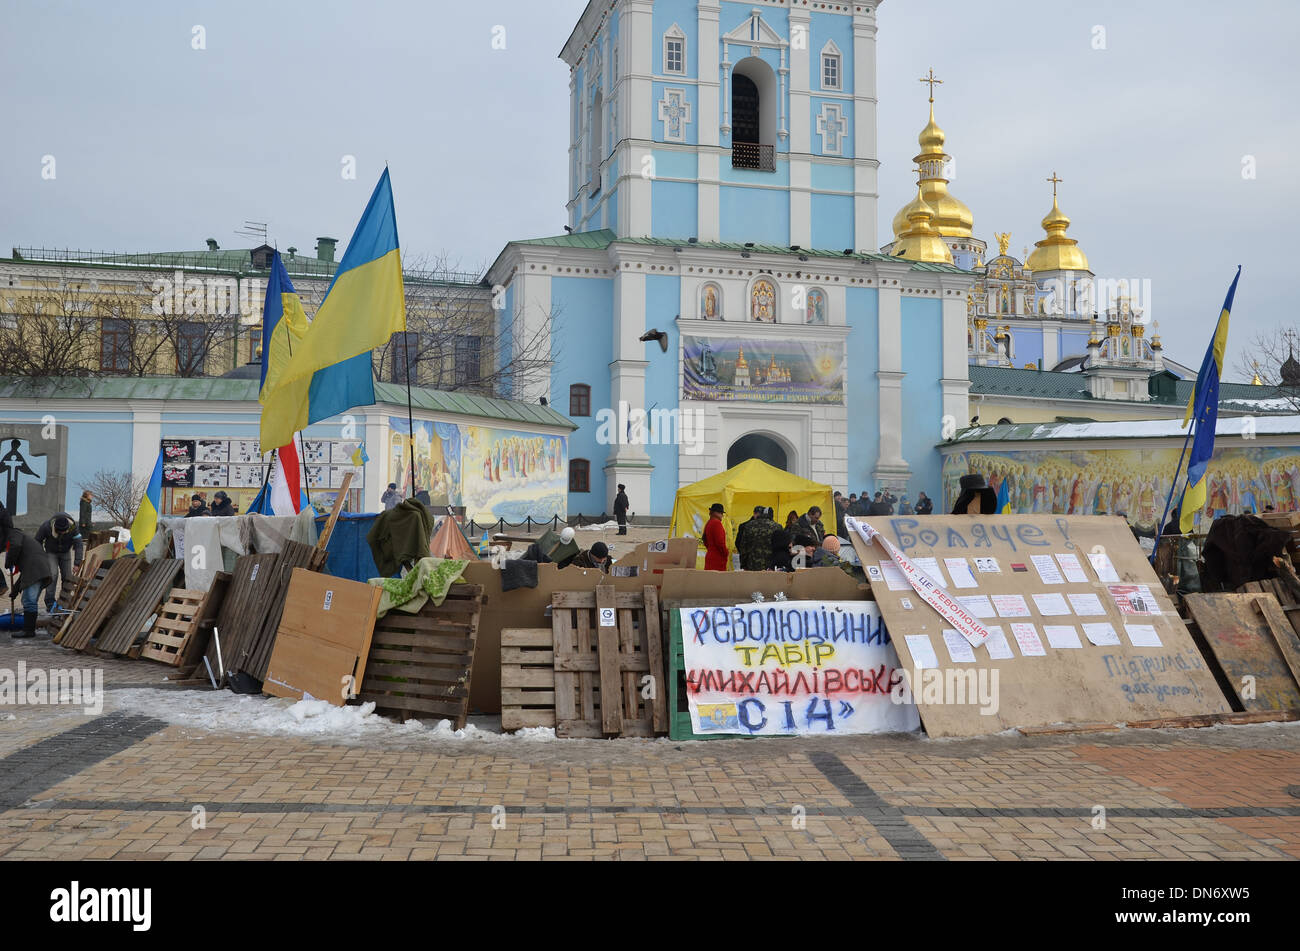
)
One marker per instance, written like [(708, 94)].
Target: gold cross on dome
[(934, 82), (1055, 181)]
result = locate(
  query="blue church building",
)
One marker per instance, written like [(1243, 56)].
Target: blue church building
[(720, 293)]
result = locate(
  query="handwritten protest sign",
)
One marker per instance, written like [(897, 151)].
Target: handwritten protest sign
[(793, 667)]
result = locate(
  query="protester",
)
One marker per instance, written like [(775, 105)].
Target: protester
[(792, 522), (811, 524), (597, 556), (904, 506), (781, 539), (802, 550), (621, 506), (715, 540), (924, 505), (59, 538), (841, 510), (391, 496), (222, 507), (33, 566), (878, 505), (197, 509), (755, 547), (84, 522), (828, 554)]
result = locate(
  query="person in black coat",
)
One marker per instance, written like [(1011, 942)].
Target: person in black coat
[(59, 538), (33, 566), (198, 508), (222, 507), (924, 505), (780, 546), (621, 505)]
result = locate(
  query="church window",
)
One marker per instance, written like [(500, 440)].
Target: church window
[(753, 115), (114, 344), (675, 51), (832, 77), (597, 137), (579, 475), (580, 400), (762, 305)]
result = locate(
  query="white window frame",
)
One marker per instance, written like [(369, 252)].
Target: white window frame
[(832, 52), (675, 34)]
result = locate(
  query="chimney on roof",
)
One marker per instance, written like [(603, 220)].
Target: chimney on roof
[(212, 244), (292, 252), (325, 249)]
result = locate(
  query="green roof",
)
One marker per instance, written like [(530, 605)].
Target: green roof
[(599, 240), (212, 389), (223, 261), (1056, 385)]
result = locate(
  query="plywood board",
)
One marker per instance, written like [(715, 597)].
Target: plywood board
[(323, 639), (1108, 683), (653, 558), (1239, 629)]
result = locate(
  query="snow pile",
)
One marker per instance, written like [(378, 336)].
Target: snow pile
[(225, 712)]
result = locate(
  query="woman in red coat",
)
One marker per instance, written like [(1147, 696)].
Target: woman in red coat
[(715, 540)]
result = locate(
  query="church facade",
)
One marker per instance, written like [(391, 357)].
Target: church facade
[(720, 294)]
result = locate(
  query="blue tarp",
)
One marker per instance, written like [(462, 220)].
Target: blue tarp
[(349, 553)]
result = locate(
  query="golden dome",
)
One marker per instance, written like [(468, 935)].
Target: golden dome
[(741, 362), (921, 242), (1056, 252), (952, 218)]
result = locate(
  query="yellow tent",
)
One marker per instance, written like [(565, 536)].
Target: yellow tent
[(741, 488)]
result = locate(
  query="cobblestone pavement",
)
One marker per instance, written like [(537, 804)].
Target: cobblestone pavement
[(122, 784)]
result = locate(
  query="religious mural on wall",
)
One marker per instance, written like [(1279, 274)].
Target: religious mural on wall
[(762, 371), (1131, 482), (493, 473)]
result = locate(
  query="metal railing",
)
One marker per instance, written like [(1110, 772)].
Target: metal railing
[(751, 155)]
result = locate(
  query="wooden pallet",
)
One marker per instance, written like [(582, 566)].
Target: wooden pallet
[(527, 677), (140, 605), (180, 634), (93, 571), (421, 664), (99, 606), (606, 642)]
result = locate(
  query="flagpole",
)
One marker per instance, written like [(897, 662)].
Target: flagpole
[(410, 417), (1172, 485)]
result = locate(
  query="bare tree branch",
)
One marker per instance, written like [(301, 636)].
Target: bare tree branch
[(117, 493)]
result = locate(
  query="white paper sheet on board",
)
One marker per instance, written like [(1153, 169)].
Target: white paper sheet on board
[(1062, 636), (1087, 605), (1027, 640), (931, 567), (1103, 635), (978, 605), (1071, 568), (1052, 605), (961, 573), (1101, 564), (1047, 569), (1143, 635), (959, 648), (997, 644), (922, 651)]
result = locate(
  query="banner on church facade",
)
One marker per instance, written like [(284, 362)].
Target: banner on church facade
[(762, 371), (1131, 482)]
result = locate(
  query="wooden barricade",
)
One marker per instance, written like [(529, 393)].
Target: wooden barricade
[(240, 610), (606, 642), (1254, 645), (98, 607), (527, 677), (180, 635), (421, 664), (93, 571), (257, 650), (146, 597)]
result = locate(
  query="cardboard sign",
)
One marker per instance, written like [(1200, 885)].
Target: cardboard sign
[(1134, 661), (793, 668)]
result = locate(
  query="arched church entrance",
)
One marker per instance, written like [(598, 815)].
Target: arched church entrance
[(758, 446)]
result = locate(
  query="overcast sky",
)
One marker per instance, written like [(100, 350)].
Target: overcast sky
[(158, 145)]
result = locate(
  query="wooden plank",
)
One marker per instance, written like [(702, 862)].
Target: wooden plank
[(626, 664), (655, 655), (323, 542), (533, 677), (1284, 635), (527, 637), (145, 599), (607, 637), (1215, 719), (588, 683), (1244, 648), (101, 605), (587, 599), (1069, 728), (514, 718), (516, 656), (566, 684), (541, 698)]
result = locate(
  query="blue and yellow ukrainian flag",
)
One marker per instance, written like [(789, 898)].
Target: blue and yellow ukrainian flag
[(330, 369), (284, 324), (1204, 408), (1004, 498), (146, 517)]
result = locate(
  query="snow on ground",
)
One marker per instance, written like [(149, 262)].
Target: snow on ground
[(226, 712)]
